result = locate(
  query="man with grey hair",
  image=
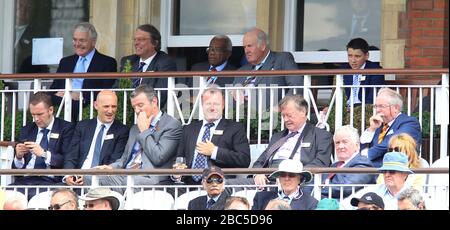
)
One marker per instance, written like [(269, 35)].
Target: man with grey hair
[(387, 122), (219, 51), (346, 144), (152, 142), (86, 59), (410, 199)]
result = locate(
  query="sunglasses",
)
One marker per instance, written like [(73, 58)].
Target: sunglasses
[(217, 180), (57, 206), (394, 149), (88, 205), (286, 174)]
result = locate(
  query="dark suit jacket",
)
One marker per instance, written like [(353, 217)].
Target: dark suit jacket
[(318, 154), (161, 62), (370, 80), (402, 124), (99, 63), (358, 161), (112, 149), (199, 203), (233, 149), (220, 81), (305, 202), (57, 146)]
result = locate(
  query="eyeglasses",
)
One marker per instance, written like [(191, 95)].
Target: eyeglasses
[(394, 149), (286, 174), (216, 180), (381, 106), (88, 205), (389, 171), (140, 39), (214, 50), (57, 206)]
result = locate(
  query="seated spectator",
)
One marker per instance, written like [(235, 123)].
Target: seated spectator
[(213, 181), (278, 204), (15, 203), (346, 142), (404, 143), (369, 201), (237, 203), (291, 176), (410, 199), (328, 204), (395, 172), (100, 198), (388, 121), (63, 199)]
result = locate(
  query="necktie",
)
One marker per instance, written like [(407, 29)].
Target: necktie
[(338, 165), (135, 161), (355, 89), (210, 203), (278, 144), (40, 161), (98, 147), (383, 133), (137, 81), (77, 83), (213, 69), (201, 160)]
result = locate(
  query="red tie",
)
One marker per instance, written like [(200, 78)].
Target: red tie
[(213, 69), (338, 165)]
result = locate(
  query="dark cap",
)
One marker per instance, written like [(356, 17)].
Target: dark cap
[(213, 170), (369, 198)]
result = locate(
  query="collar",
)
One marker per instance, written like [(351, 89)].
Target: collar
[(107, 125), (393, 120), (89, 56), (349, 159), (216, 122), (148, 60), (156, 119), (219, 67), (258, 66), (295, 195), (299, 130), (49, 126), (214, 198)]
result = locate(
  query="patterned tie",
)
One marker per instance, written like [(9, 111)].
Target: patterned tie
[(77, 83), (98, 147), (383, 133), (278, 145), (211, 78), (210, 203), (201, 161), (338, 165), (355, 88), (135, 161), (137, 81), (40, 161)]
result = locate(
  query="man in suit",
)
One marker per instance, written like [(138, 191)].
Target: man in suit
[(291, 176), (213, 181), (43, 143), (226, 145), (388, 121), (219, 51), (346, 142), (148, 57), (152, 143), (300, 141), (85, 59), (358, 58), (96, 141), (260, 57)]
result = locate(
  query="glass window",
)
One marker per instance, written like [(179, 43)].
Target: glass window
[(330, 25), (206, 17)]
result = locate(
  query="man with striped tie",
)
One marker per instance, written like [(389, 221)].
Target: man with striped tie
[(388, 121)]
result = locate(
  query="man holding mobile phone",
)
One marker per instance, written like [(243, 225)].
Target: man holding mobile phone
[(42, 143)]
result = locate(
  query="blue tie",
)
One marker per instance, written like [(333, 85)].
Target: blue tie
[(136, 151), (201, 160), (210, 203), (40, 161), (137, 81), (98, 147), (355, 83), (77, 83)]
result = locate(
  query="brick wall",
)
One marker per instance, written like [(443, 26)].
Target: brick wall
[(424, 25)]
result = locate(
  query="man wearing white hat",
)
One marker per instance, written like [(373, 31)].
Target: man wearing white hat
[(290, 176), (100, 199)]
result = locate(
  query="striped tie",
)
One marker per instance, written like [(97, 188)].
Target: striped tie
[(383, 133)]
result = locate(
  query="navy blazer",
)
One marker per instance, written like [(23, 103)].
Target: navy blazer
[(318, 154), (305, 202), (99, 63), (359, 161), (112, 149), (199, 203), (161, 62), (370, 80), (56, 145), (402, 124), (220, 81)]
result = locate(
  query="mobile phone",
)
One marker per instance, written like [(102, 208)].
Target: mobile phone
[(22, 141)]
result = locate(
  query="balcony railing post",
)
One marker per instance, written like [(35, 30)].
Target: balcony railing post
[(68, 100), (339, 101), (444, 124), (306, 87), (170, 93)]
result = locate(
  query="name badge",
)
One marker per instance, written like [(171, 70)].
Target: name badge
[(218, 132), (54, 135), (305, 145), (363, 78), (109, 137)]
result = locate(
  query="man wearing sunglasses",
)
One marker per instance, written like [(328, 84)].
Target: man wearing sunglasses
[(64, 199), (213, 181)]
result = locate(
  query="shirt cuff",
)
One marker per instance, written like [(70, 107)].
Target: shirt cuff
[(48, 157), (366, 137), (214, 153)]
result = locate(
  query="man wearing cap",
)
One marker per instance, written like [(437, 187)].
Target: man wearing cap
[(369, 201), (395, 172), (213, 182), (291, 176), (100, 199)]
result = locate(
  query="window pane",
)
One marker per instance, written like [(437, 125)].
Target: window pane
[(332, 24), (205, 17)]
